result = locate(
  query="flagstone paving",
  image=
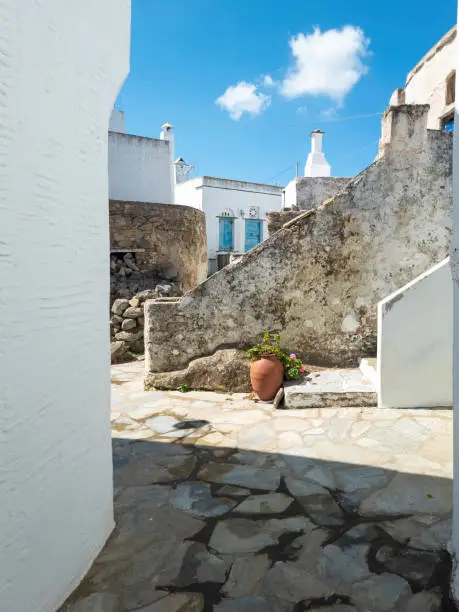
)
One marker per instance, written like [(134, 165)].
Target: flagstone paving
[(225, 504)]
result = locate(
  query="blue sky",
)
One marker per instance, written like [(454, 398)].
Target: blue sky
[(328, 60)]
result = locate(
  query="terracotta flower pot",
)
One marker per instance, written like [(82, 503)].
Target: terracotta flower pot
[(266, 376)]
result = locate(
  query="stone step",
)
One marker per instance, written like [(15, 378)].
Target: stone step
[(368, 367), (330, 388)]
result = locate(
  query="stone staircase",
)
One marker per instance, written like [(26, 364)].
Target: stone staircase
[(330, 388)]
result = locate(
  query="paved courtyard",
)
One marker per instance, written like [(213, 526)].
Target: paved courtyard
[(224, 504)]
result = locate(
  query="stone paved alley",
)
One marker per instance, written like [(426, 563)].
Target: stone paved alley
[(224, 504)]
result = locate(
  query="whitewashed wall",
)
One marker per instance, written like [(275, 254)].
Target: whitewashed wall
[(139, 169), (55, 454), (426, 83), (454, 260), (216, 195), (189, 193), (415, 326), (117, 121)]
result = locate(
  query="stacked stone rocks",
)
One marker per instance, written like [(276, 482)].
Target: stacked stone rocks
[(127, 321), (129, 275)]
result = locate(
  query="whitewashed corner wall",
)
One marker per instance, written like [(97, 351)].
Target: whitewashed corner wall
[(415, 329), (454, 261), (61, 70), (139, 169)]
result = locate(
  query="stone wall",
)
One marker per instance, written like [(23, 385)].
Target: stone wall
[(127, 321), (318, 280), (169, 242), (277, 220), (305, 193)]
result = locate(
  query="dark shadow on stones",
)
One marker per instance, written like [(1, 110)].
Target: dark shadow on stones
[(153, 542), (191, 424)]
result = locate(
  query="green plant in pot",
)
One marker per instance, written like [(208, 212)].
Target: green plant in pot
[(271, 365)]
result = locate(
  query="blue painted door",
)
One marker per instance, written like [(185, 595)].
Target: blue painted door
[(252, 234), (226, 234)]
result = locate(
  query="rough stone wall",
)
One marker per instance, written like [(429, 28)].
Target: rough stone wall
[(305, 193), (169, 241), (276, 220), (127, 320), (318, 280)]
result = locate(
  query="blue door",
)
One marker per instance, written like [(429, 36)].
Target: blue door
[(252, 234), (226, 234)]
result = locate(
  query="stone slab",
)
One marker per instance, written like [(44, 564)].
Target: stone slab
[(330, 388)]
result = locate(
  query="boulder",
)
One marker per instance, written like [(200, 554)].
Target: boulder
[(118, 351), (127, 336), (135, 302), (133, 313), (116, 320), (164, 289), (147, 294), (119, 306), (129, 325), (225, 370)]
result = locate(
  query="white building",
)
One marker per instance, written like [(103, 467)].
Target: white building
[(433, 81), (235, 213), (140, 169), (56, 489), (143, 170)]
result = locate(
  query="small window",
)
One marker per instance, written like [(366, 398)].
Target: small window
[(447, 123), (451, 87)]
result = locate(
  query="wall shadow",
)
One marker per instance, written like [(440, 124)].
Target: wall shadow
[(193, 534)]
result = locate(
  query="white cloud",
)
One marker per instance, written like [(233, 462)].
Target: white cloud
[(243, 98), (268, 81), (328, 63), (329, 112)]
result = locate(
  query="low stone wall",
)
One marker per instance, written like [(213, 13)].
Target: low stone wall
[(307, 192), (169, 241), (277, 220), (127, 320), (318, 280)]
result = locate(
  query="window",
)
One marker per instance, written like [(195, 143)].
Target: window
[(451, 88), (226, 234), (447, 122)]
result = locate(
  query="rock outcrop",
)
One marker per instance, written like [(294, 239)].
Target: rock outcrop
[(225, 370)]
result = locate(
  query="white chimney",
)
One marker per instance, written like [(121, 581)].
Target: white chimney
[(166, 134), (316, 164), (182, 170)]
